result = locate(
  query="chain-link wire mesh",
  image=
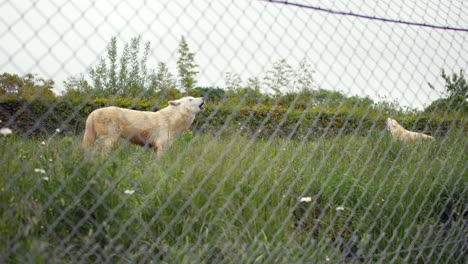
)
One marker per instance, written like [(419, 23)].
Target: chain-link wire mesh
[(331, 132)]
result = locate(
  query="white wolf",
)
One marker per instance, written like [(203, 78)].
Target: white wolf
[(401, 134), (153, 129)]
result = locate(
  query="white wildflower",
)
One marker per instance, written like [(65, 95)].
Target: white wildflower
[(5, 131), (327, 258), (45, 178), (339, 208), (129, 192), (305, 199), (41, 171), (57, 130), (50, 160), (43, 143)]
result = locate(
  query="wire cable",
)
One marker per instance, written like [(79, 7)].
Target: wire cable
[(365, 16)]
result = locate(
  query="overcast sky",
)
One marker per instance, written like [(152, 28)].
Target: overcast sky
[(61, 38)]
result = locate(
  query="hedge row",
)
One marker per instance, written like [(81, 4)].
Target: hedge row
[(39, 118)]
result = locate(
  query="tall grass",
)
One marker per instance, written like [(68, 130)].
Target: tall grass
[(235, 199)]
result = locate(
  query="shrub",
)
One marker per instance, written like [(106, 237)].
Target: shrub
[(39, 117)]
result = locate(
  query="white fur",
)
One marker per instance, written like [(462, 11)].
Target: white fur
[(401, 134), (154, 129)]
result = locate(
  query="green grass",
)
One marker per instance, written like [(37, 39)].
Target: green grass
[(235, 200)]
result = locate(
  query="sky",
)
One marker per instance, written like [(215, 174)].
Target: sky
[(57, 39)]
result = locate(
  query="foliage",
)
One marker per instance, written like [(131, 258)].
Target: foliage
[(39, 117), (279, 77), (186, 67), (283, 78), (304, 79), (126, 75), (455, 85), (130, 79), (77, 87), (27, 87), (293, 114), (232, 81), (451, 104), (212, 94), (456, 90), (164, 80)]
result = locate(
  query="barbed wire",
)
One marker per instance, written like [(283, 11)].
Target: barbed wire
[(389, 20)]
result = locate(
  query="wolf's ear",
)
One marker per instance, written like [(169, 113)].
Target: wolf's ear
[(174, 103)]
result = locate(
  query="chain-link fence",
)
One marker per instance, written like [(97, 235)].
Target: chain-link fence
[(323, 132)]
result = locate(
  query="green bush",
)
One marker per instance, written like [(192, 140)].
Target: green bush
[(40, 117), (451, 104)]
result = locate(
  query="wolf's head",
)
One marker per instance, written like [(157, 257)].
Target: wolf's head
[(189, 104)]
